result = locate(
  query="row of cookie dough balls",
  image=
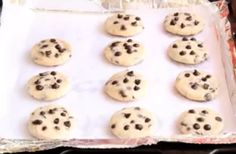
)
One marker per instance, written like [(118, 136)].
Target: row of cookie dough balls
[(56, 122), (125, 86), (54, 52)]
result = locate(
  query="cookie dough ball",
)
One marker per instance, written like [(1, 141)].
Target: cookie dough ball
[(51, 52), (51, 122), (132, 122), (124, 25), (197, 85), (200, 121), (183, 23), (126, 86), (48, 86), (188, 51), (124, 53)]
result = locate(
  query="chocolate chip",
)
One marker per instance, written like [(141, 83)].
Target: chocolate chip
[(37, 82), (43, 74), (176, 18), (55, 86), (59, 80), (126, 127), (208, 76), (137, 81), (200, 119), (191, 111), (53, 40), (194, 86), (122, 27), (48, 53), (37, 122), (136, 45), (67, 124), (196, 73), (192, 53), (196, 126), (208, 97), (114, 82), (187, 75), (62, 50), (204, 112), (138, 127), (129, 51), (56, 121), (130, 73), (137, 18), (122, 93), (182, 25), (57, 128), (218, 119), (119, 16), (174, 46), (50, 111), (114, 44), (127, 47), (56, 55), (129, 40), (137, 108), (44, 128), (182, 53), (184, 39), (39, 87), (173, 22), (125, 80), (134, 23), (113, 126), (53, 73), (193, 39), (206, 86), (63, 114), (136, 88), (196, 22), (176, 14), (189, 18), (127, 115), (117, 54), (147, 120), (132, 121), (42, 113), (44, 46), (58, 47), (207, 127), (115, 22), (126, 18), (200, 45), (188, 47), (204, 79)]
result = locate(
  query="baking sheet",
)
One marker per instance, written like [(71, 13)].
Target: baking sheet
[(88, 71), (23, 34)]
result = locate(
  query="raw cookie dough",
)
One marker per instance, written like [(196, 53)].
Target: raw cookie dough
[(126, 86), (124, 53), (48, 86), (183, 23), (51, 122), (197, 85), (188, 51), (200, 121), (124, 25), (51, 52), (132, 122)]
